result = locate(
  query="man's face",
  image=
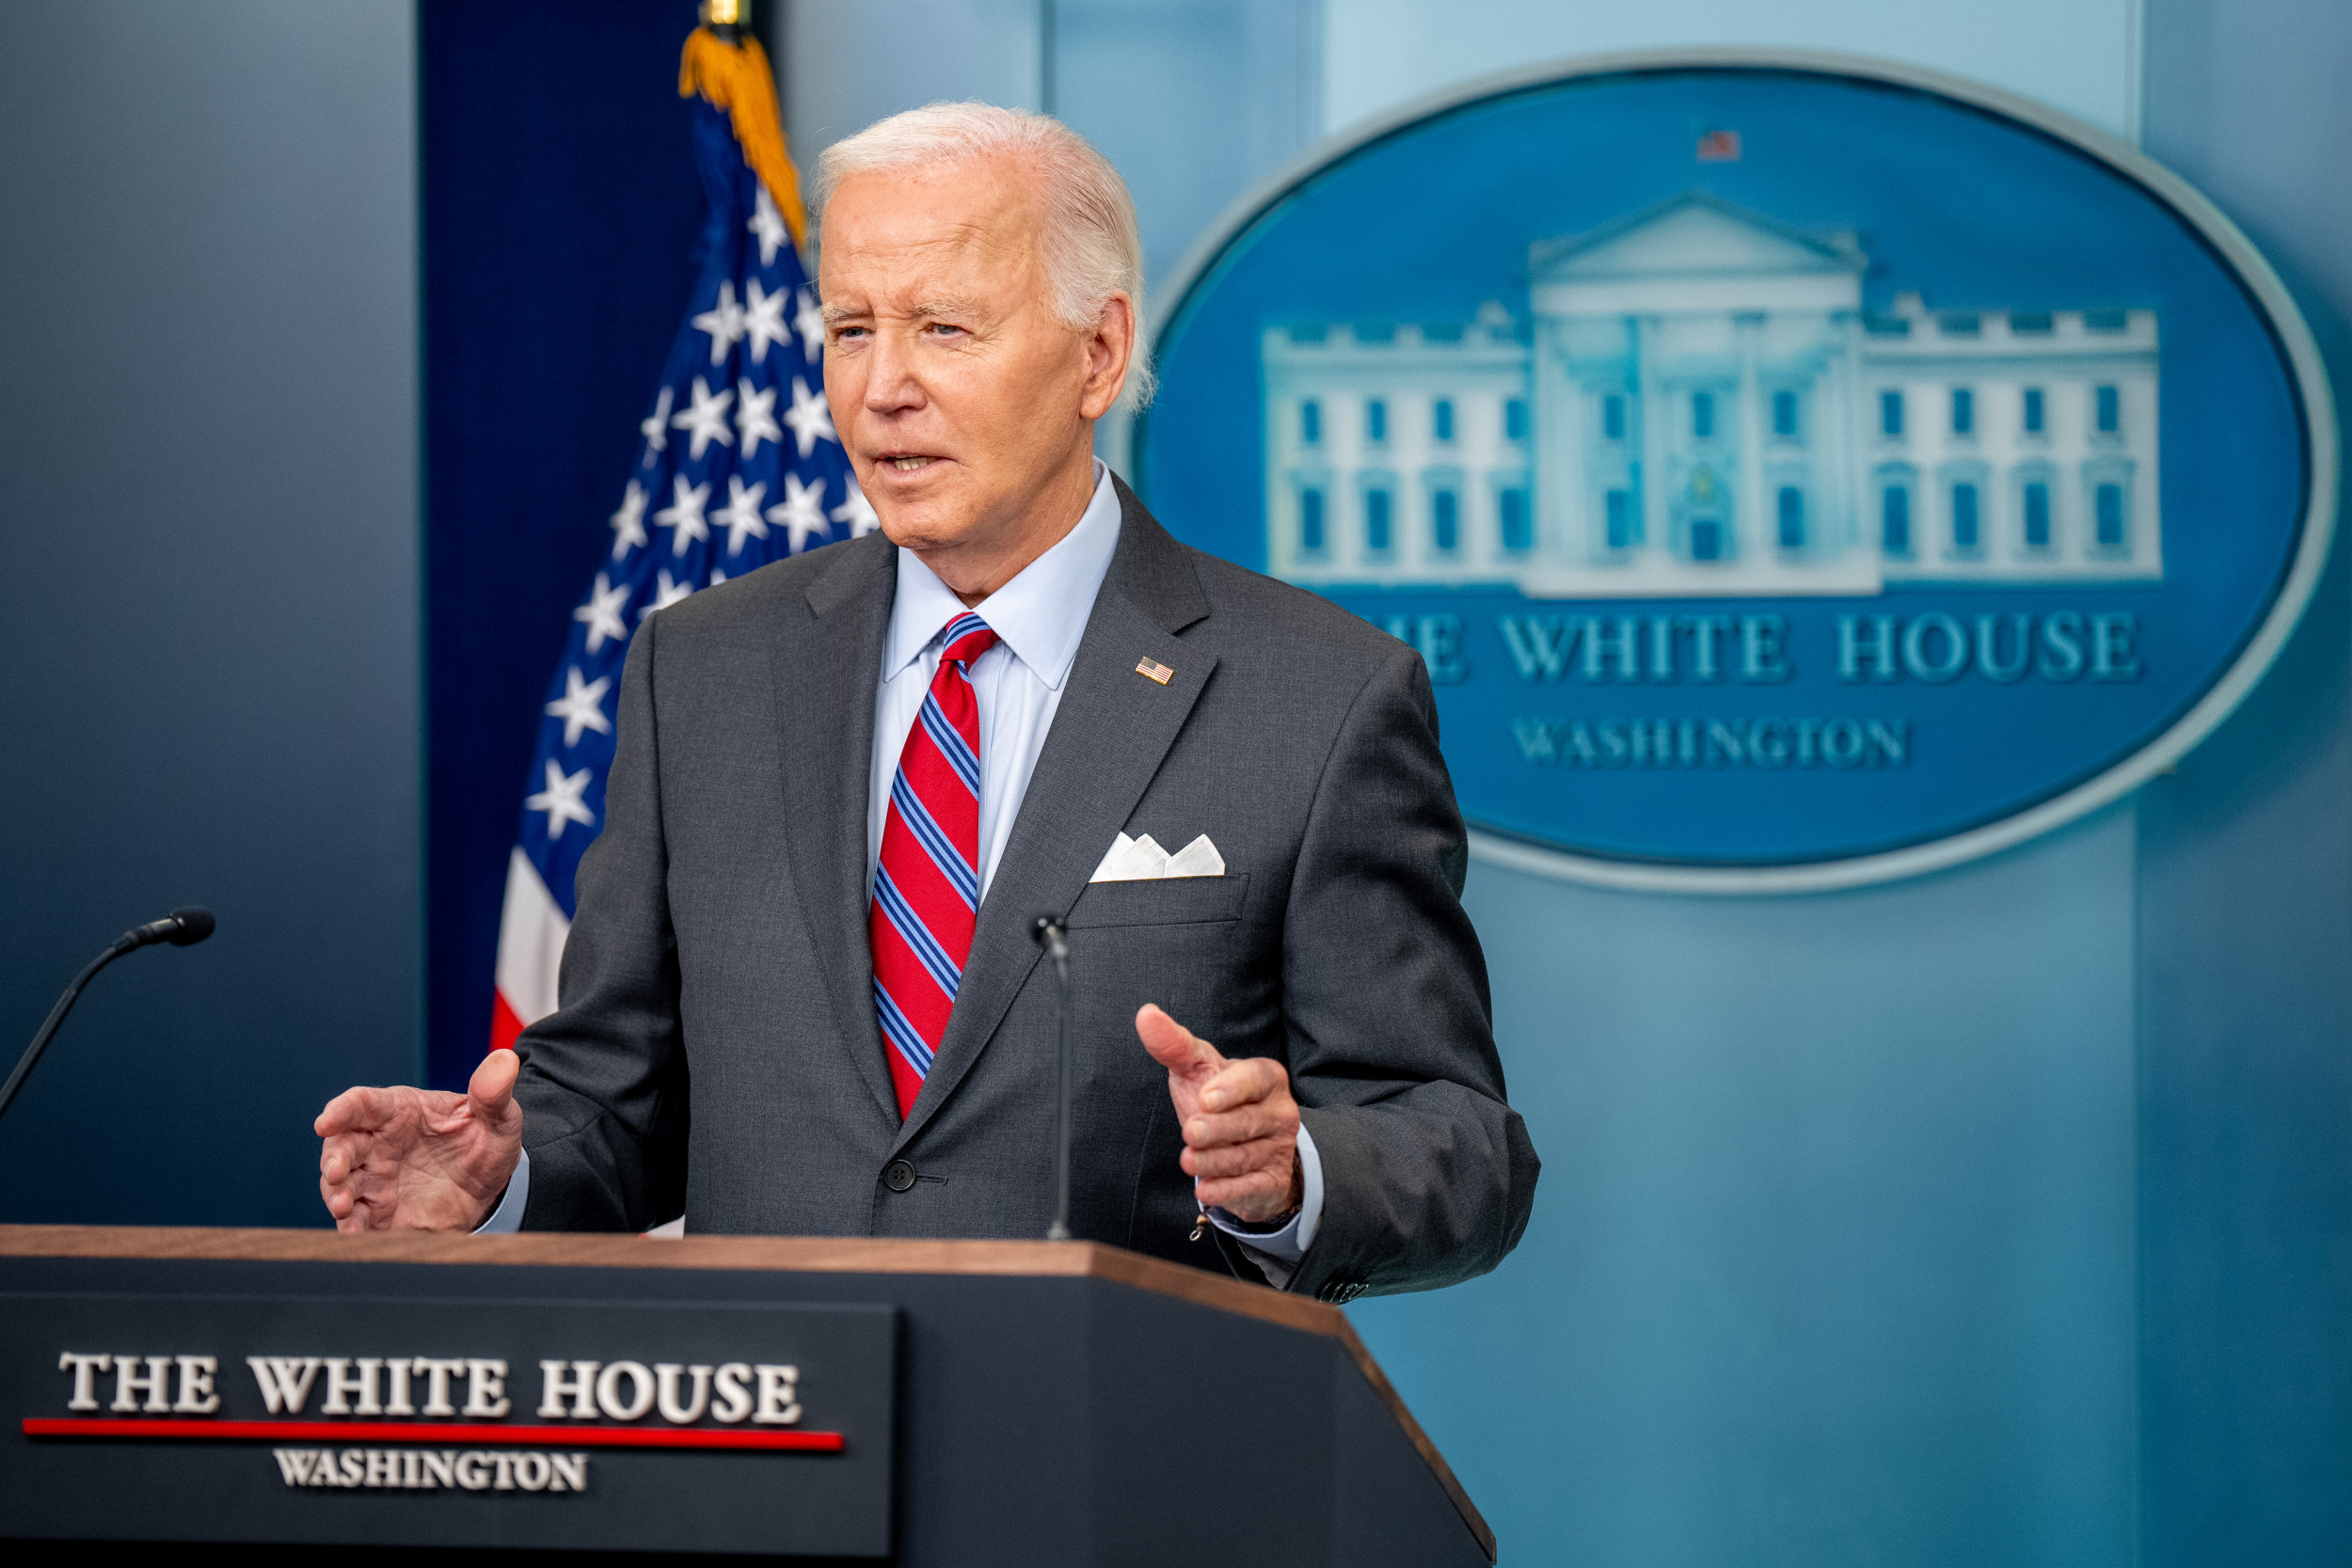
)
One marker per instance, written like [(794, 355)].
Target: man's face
[(966, 408)]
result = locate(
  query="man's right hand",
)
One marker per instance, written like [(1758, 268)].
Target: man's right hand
[(403, 1158)]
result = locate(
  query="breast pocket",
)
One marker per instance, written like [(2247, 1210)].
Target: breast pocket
[(1170, 901)]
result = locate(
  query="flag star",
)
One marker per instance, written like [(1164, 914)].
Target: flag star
[(769, 225), (666, 594), (562, 799), (857, 513), (810, 323), (717, 577), (754, 414), (740, 516), (685, 514), (763, 320), (809, 417), (629, 523), (582, 706), (705, 420), (602, 614), (722, 321), (802, 512), (656, 429)]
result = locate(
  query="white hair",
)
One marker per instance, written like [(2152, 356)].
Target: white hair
[(1091, 248)]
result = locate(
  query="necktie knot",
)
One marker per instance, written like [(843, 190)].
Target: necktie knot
[(967, 638)]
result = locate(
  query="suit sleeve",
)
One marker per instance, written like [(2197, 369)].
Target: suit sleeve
[(604, 1080), (1428, 1173)]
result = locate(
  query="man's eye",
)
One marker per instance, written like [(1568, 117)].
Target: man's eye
[(944, 329)]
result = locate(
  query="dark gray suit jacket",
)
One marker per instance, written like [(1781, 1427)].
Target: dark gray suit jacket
[(716, 1050)]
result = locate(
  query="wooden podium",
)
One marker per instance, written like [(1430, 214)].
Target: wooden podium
[(919, 1403)]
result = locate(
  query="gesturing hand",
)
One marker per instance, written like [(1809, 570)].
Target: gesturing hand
[(1239, 1121), (403, 1158)]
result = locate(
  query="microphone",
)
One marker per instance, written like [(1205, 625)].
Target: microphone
[(1052, 936), (182, 927)]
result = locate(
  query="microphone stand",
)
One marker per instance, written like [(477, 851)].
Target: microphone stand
[(1050, 934), (182, 929), (49, 1026)]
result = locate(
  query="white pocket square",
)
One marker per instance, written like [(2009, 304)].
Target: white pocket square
[(1141, 860)]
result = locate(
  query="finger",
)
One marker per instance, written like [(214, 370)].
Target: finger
[(355, 1166), (1259, 1194), (1173, 1046), (493, 1083), (1243, 1083), (1231, 1160), (353, 1110), (1260, 1118), (344, 1207)]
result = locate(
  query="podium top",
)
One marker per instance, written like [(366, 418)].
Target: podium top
[(777, 1253)]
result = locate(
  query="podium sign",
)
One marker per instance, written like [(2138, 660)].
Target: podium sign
[(752, 1426), (927, 1403)]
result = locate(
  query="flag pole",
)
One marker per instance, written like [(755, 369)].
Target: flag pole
[(726, 18)]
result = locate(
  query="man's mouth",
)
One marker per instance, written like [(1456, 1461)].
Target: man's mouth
[(907, 465)]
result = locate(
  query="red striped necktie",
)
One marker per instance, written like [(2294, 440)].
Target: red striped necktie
[(926, 888)]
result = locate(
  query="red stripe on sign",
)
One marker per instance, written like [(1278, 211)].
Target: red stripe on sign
[(416, 1432)]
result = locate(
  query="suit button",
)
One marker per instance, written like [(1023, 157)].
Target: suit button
[(898, 1176)]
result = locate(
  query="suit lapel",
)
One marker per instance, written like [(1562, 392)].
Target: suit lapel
[(825, 687), (1109, 734)]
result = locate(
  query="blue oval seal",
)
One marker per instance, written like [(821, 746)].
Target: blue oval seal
[(1795, 471)]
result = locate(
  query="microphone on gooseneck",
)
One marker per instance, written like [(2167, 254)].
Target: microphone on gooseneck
[(181, 928), (1052, 936)]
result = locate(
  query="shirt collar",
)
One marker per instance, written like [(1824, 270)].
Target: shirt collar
[(1040, 616)]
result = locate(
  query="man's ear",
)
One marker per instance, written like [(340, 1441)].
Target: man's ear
[(1111, 348)]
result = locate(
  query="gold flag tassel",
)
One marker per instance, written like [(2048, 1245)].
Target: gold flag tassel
[(734, 76)]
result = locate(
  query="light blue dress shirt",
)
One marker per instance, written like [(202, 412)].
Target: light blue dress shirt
[(1039, 618)]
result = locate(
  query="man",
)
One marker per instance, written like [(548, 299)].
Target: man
[(802, 995)]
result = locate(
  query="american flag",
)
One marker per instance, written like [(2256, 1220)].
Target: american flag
[(738, 467)]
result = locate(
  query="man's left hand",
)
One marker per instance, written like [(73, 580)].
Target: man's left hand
[(1239, 1121)]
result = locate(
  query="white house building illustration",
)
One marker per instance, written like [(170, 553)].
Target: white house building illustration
[(1699, 406)]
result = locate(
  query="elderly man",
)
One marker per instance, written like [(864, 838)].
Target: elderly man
[(801, 995)]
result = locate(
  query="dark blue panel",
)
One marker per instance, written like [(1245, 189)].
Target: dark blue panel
[(561, 214), (208, 480)]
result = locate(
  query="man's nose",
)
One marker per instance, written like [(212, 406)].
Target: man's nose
[(891, 382)]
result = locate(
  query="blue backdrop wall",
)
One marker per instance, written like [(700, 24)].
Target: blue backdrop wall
[(1997, 1216)]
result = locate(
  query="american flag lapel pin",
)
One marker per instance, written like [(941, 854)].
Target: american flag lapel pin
[(1152, 670)]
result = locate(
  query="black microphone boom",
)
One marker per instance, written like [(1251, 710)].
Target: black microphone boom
[(182, 927), (1050, 934)]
